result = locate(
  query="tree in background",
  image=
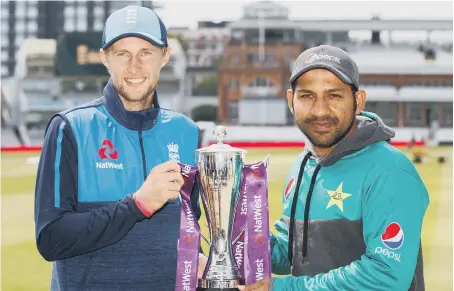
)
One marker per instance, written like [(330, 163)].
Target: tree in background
[(205, 113), (183, 43), (208, 86)]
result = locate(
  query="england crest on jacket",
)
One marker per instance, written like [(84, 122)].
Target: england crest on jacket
[(174, 154)]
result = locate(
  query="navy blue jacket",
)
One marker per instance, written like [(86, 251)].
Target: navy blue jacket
[(94, 156)]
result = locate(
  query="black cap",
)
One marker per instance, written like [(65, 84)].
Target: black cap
[(330, 58)]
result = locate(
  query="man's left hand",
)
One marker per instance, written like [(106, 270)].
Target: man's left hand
[(201, 267), (262, 285)]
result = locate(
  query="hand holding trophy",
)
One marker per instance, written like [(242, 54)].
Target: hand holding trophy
[(235, 199)]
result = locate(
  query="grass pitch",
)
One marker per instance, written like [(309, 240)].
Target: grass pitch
[(24, 269)]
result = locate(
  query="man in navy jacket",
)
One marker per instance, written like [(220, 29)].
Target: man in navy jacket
[(107, 212)]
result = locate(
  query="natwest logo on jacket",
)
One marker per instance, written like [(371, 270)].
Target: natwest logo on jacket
[(107, 151)]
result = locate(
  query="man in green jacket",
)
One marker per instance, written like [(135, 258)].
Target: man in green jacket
[(353, 205)]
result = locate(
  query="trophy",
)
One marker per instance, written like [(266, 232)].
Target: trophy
[(220, 170), (235, 199)]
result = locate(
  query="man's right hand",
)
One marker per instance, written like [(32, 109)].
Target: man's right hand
[(162, 184)]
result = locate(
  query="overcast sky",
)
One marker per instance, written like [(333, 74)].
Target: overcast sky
[(188, 12)]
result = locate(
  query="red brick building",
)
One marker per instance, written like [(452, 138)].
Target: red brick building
[(407, 86)]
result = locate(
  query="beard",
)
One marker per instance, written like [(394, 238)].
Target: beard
[(143, 99), (332, 138)]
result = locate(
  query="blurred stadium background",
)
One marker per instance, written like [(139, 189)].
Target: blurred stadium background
[(233, 73)]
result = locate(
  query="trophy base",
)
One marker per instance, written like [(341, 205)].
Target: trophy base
[(219, 285)]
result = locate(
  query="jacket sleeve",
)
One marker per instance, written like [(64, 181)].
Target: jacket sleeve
[(61, 231), (393, 211)]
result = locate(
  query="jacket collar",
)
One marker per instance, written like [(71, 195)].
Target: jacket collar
[(133, 120)]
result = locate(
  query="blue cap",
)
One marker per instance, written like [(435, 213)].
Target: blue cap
[(134, 21)]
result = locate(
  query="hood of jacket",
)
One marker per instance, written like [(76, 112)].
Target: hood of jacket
[(370, 130)]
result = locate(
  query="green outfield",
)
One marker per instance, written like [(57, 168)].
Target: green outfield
[(24, 269)]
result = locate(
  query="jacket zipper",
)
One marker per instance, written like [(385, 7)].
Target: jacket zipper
[(142, 150)]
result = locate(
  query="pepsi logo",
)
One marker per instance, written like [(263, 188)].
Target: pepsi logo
[(393, 237), (289, 188), (314, 57), (310, 58)]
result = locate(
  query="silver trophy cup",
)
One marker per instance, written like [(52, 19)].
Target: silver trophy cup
[(220, 168)]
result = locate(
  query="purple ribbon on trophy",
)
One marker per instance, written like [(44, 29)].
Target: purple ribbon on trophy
[(239, 227), (189, 239), (257, 253), (251, 243)]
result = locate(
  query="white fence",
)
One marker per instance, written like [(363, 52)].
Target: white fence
[(293, 134)]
